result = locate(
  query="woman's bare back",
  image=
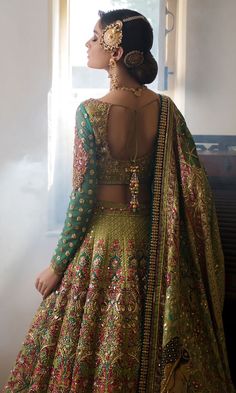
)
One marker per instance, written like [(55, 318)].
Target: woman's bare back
[(131, 131)]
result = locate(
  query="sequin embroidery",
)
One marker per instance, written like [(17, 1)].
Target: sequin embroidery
[(111, 170), (80, 162)]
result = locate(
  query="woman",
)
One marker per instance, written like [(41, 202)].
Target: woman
[(134, 292)]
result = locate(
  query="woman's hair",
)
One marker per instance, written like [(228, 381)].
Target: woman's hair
[(137, 35)]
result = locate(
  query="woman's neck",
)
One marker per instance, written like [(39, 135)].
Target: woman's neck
[(124, 79)]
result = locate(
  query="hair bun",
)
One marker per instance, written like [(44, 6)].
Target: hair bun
[(137, 41), (147, 71)]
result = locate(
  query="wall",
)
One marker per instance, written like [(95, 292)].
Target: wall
[(210, 67), (25, 249)]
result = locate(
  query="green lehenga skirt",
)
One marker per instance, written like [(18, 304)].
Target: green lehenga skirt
[(86, 336)]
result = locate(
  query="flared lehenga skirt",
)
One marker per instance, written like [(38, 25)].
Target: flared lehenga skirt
[(86, 336)]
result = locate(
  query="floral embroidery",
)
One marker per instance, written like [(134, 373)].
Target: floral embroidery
[(80, 162), (111, 170), (86, 336), (83, 196)]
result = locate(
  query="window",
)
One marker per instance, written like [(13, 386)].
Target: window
[(89, 82), (73, 81)]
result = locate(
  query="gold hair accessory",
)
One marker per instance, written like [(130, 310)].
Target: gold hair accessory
[(133, 59), (134, 18), (112, 36)]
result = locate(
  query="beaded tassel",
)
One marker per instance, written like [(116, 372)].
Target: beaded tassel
[(134, 187)]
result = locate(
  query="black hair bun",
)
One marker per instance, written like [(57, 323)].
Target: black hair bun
[(147, 71)]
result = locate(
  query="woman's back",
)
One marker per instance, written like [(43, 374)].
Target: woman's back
[(126, 135), (131, 128), (134, 293)]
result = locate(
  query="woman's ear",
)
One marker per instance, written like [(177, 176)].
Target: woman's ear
[(117, 54)]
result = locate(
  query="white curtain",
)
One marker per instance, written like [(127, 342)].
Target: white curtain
[(61, 111)]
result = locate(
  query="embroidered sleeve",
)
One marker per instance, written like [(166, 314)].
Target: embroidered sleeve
[(83, 195), (80, 161)]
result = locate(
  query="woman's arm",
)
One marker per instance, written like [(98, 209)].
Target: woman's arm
[(80, 207)]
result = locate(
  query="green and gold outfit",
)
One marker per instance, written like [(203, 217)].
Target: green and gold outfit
[(140, 302)]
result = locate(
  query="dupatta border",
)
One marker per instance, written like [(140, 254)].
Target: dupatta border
[(150, 366)]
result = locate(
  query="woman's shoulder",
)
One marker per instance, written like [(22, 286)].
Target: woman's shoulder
[(86, 103), (103, 103), (95, 111), (92, 103), (90, 107), (94, 106), (117, 99)]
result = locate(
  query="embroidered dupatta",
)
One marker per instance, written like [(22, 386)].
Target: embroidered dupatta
[(183, 346)]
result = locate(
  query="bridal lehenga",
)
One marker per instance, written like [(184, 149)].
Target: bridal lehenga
[(139, 306)]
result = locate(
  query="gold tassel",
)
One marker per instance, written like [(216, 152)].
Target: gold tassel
[(134, 187)]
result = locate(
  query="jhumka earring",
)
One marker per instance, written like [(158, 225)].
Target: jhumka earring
[(110, 40), (113, 74)]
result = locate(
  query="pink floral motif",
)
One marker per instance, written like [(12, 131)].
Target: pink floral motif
[(168, 279), (86, 336), (80, 162)]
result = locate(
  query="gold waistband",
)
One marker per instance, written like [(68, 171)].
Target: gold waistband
[(115, 207)]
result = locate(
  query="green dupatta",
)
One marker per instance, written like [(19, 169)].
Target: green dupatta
[(183, 339)]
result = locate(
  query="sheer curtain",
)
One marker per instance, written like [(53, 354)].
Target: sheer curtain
[(61, 116), (69, 34)]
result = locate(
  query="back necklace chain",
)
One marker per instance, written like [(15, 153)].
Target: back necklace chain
[(137, 91), (134, 168)]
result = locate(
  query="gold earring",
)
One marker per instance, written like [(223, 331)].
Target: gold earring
[(113, 74)]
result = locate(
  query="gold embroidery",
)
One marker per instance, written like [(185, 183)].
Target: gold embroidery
[(111, 170), (80, 162)]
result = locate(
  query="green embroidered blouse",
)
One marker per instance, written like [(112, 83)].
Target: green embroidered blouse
[(83, 195)]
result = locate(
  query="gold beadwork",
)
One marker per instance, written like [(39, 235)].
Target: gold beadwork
[(134, 187), (109, 169), (146, 360), (113, 74), (136, 91), (112, 36), (133, 59)]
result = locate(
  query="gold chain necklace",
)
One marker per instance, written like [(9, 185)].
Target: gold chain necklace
[(136, 91)]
